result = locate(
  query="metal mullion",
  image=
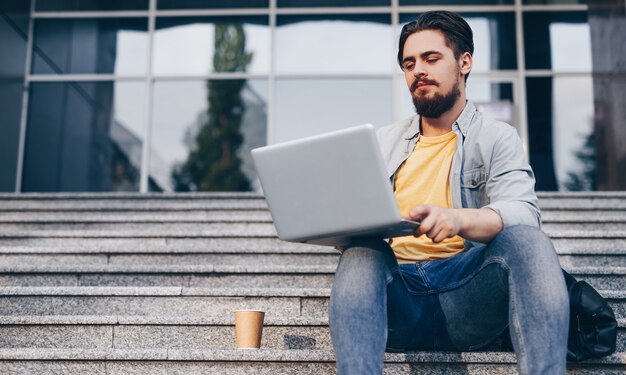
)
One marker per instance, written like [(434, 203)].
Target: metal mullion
[(25, 102), (271, 85), (333, 10), (213, 12), (211, 76), (93, 14), (145, 151), (82, 78), (457, 8), (555, 8), (551, 73), (397, 80), (521, 69)]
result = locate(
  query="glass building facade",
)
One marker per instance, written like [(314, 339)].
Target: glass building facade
[(171, 95)]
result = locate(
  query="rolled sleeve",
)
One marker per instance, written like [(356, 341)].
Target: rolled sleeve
[(511, 183)]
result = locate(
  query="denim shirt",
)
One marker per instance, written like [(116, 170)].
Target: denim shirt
[(488, 167)]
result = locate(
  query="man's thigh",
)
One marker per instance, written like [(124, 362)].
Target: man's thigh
[(477, 312)]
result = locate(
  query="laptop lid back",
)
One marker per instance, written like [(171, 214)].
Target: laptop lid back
[(327, 184)]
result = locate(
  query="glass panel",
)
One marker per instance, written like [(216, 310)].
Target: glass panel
[(187, 46), (552, 2), (90, 45), (332, 3), (84, 136), (193, 137), (307, 107), (560, 41), (456, 2), (87, 5), (560, 130), (330, 44), (211, 4), (494, 39), (13, 28)]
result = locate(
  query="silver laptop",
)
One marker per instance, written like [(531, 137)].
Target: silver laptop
[(330, 189)]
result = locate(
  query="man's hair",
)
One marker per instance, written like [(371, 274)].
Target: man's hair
[(456, 31)]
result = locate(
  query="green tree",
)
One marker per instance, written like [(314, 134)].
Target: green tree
[(213, 163)]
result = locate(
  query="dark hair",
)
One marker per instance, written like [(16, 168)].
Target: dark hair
[(457, 32)]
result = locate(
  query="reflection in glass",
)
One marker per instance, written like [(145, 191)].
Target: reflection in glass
[(90, 45), (211, 4), (560, 41), (573, 141), (312, 106), (186, 46), (551, 2), (456, 2), (560, 131), (87, 5), (331, 44), (331, 3), (181, 112), (494, 39), (84, 136)]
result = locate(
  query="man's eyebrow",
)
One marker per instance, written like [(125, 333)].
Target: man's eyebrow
[(424, 55), (408, 58)]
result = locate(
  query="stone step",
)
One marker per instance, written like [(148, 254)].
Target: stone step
[(267, 361), (171, 301), (212, 280), (225, 280), (253, 216), (158, 332), (12, 261), (243, 230), (158, 245)]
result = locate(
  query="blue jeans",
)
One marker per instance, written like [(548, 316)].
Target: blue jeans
[(457, 304)]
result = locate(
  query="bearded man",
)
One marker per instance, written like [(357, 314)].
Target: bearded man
[(478, 266)]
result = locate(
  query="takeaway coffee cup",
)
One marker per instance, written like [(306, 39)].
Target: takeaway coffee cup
[(248, 328)]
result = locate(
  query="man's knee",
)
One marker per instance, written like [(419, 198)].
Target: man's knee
[(522, 243)]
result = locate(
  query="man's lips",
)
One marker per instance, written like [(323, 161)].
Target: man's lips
[(422, 84)]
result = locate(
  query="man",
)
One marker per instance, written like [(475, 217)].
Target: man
[(478, 265)]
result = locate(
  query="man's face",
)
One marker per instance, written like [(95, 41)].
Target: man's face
[(432, 73)]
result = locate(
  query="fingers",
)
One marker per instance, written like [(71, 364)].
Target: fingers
[(437, 223)]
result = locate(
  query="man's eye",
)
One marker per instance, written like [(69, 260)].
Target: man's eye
[(408, 66), (432, 60)]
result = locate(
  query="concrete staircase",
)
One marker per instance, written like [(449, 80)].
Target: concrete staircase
[(137, 284)]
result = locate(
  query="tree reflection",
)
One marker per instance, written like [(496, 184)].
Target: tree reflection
[(213, 164), (586, 178)]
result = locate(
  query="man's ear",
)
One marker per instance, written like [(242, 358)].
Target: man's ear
[(465, 63)]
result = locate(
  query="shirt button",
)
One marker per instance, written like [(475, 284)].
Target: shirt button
[(474, 182)]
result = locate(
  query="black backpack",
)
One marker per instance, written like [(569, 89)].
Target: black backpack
[(592, 327)]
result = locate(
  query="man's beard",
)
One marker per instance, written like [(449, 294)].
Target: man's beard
[(438, 104)]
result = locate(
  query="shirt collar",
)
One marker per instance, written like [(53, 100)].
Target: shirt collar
[(462, 123)]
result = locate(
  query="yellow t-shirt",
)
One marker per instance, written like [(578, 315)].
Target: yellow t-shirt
[(424, 179)]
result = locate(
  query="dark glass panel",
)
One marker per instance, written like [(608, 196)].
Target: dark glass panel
[(84, 136), (494, 39), (456, 2), (552, 41), (186, 146), (334, 43), (312, 106), (560, 132), (187, 45), (211, 4), (90, 46), (331, 3), (89, 5), (14, 16), (553, 2)]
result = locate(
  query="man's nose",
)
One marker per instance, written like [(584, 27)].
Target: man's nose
[(419, 71)]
